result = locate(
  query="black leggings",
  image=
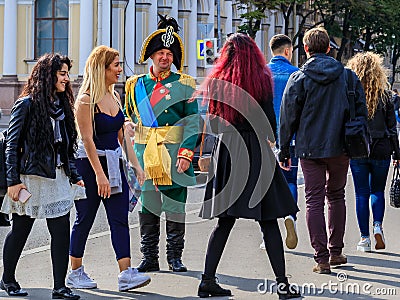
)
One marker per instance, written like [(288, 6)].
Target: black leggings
[(15, 241), (272, 239)]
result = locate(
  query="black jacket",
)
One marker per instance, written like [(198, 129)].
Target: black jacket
[(20, 150), (315, 108), (382, 128)]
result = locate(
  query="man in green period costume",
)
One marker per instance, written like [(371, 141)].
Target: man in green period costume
[(166, 133)]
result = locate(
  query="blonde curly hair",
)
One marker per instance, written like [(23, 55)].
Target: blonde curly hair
[(373, 76)]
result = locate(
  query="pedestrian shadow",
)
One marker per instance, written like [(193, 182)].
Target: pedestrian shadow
[(371, 260), (374, 278), (231, 282)]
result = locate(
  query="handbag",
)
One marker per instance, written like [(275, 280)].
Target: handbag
[(395, 188), (204, 161), (356, 137)]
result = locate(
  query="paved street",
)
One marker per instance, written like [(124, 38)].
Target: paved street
[(244, 268)]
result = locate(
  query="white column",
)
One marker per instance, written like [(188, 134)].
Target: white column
[(99, 22), (86, 33), (105, 15), (258, 39), (174, 10), (271, 32), (152, 17), (129, 63), (117, 27), (191, 46), (211, 19), (10, 38), (228, 15)]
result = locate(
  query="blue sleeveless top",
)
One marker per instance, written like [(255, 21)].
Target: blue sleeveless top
[(106, 129)]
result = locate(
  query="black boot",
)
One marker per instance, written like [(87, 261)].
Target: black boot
[(285, 290), (209, 287), (150, 234), (175, 242)]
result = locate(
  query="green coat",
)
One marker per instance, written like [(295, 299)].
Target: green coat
[(170, 110)]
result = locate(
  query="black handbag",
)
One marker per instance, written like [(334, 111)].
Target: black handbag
[(395, 188), (356, 137)]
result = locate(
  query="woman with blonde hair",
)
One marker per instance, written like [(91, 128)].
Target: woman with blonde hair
[(370, 174), (100, 120)]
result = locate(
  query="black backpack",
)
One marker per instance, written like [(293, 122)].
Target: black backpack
[(4, 218), (357, 138)]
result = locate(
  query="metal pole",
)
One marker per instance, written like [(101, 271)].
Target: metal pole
[(219, 23)]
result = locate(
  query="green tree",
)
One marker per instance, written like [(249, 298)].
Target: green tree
[(255, 11)]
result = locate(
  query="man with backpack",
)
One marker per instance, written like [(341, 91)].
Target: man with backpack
[(315, 108)]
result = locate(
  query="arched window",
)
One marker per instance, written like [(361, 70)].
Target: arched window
[(51, 27)]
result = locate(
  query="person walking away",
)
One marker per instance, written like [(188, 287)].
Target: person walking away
[(370, 174), (396, 104), (167, 128), (100, 120), (315, 109), (281, 68), (242, 115), (41, 141)]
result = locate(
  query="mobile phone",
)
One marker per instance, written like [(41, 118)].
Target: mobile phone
[(24, 195)]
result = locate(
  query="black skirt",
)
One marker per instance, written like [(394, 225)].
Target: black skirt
[(246, 180)]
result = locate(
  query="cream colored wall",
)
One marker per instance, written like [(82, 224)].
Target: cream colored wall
[(73, 36), (1, 38), (24, 40)]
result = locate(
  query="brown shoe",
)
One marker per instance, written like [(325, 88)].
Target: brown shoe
[(337, 260), (322, 268)]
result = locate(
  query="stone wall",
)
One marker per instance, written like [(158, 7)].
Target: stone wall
[(11, 88)]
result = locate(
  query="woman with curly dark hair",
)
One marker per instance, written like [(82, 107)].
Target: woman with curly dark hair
[(247, 181), (40, 146)]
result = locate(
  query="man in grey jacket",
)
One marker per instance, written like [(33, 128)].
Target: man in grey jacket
[(315, 108)]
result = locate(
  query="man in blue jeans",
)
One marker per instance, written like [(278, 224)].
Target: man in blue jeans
[(281, 67)]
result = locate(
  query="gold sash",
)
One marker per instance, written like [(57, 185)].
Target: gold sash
[(156, 158)]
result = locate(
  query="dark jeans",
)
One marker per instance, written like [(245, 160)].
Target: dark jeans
[(369, 177), (325, 177), (86, 209), (291, 176)]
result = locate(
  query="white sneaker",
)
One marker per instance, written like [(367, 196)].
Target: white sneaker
[(379, 238), (291, 233), (364, 245), (78, 279), (262, 245), (132, 279)]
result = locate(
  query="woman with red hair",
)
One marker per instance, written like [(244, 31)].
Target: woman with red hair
[(246, 180)]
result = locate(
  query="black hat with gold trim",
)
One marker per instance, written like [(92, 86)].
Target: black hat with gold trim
[(165, 37)]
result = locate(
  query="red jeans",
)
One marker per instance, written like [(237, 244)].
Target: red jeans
[(325, 177)]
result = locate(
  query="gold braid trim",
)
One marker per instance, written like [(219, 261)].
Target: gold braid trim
[(187, 80), (151, 36), (182, 49), (130, 92), (146, 43)]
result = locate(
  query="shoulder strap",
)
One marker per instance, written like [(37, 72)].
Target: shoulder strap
[(351, 93), (205, 123)]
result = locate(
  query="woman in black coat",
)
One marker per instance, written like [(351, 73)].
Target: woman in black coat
[(41, 140), (246, 179)]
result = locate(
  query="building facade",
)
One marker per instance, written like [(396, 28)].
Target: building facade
[(30, 28)]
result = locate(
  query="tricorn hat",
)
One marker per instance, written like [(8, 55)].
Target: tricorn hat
[(165, 37)]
